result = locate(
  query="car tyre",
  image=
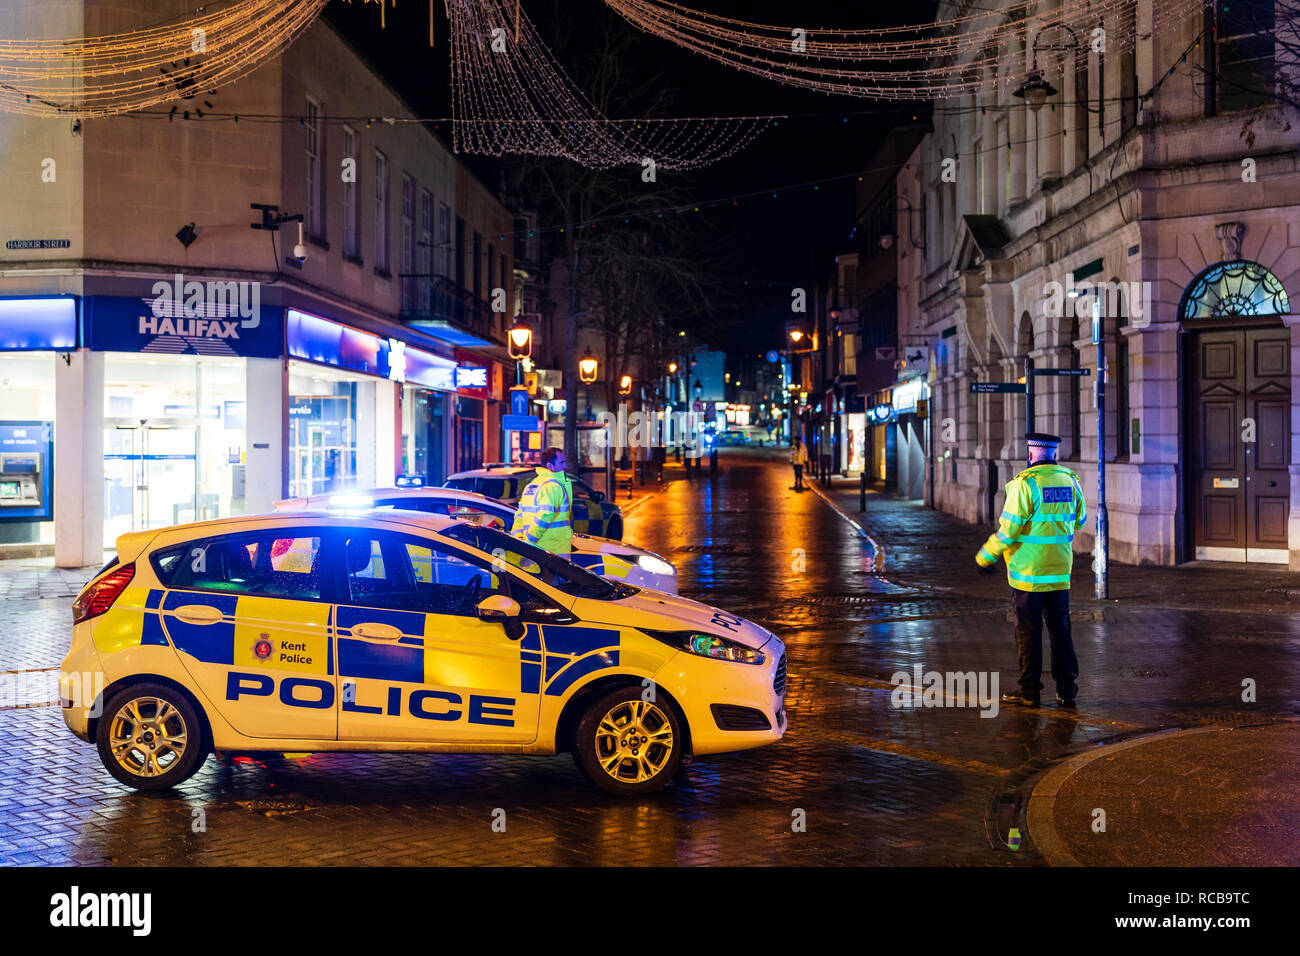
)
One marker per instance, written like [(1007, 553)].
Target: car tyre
[(627, 745), (150, 737), (615, 529)]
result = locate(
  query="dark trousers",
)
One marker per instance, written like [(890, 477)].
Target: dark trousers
[(1030, 608), (798, 476)]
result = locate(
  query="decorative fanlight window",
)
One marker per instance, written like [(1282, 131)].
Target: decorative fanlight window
[(1234, 288)]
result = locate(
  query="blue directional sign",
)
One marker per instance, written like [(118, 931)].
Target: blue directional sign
[(519, 423), (518, 401)]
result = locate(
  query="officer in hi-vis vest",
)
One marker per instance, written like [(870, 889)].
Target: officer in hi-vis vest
[(545, 516), (1044, 508)]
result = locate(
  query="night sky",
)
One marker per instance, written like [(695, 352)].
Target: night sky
[(761, 247)]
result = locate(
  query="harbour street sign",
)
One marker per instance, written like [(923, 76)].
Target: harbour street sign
[(985, 387)]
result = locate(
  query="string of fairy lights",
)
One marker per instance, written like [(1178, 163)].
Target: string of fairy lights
[(511, 96), (938, 60), (123, 72)]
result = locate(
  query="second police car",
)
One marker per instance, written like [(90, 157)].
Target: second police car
[(603, 556), (398, 631)]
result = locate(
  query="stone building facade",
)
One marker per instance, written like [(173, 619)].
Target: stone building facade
[(1154, 193)]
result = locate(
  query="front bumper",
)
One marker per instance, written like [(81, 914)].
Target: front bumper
[(705, 688)]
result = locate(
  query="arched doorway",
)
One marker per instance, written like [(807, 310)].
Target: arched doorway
[(1238, 413)]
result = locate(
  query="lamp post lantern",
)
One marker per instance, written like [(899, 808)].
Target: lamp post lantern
[(587, 369)]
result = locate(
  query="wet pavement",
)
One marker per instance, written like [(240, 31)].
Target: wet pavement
[(857, 779)]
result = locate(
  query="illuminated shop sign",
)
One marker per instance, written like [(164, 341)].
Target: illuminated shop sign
[(906, 396), (46, 324), (471, 377), (317, 339), (880, 414)]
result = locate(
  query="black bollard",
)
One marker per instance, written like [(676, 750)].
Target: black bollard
[(862, 492)]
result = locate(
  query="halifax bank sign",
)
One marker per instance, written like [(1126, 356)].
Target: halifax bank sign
[(187, 318)]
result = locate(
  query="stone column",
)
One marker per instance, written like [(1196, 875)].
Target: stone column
[(79, 459), (266, 386)]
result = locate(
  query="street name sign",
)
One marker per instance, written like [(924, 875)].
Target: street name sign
[(519, 423), (984, 387)]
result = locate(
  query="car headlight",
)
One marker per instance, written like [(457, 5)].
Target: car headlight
[(648, 562), (709, 645)]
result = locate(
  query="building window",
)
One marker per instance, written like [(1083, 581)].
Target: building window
[(1081, 125), (381, 211), (408, 242), (423, 259), (1243, 65), (460, 252), (1234, 288), (1101, 99), (351, 201), (315, 142), (478, 265), (444, 239)]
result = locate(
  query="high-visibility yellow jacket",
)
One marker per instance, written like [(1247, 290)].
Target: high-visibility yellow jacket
[(545, 516), (799, 456), (1043, 510)]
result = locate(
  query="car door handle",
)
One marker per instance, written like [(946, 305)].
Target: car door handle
[(198, 614), (376, 632)]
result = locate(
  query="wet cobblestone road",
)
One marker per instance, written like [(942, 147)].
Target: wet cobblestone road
[(874, 784)]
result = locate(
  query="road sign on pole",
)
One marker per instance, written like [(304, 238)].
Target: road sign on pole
[(1101, 562)]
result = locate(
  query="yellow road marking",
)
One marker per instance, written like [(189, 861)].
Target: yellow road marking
[(901, 750), (877, 684)]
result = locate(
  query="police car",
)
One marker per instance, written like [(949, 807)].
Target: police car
[(603, 556), (592, 514), (399, 631)]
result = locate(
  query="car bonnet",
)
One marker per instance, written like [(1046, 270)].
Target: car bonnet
[(656, 611)]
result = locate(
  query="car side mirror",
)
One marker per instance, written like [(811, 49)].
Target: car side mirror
[(598, 496), (499, 609)]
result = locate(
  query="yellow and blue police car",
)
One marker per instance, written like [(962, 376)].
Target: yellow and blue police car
[(592, 514), (603, 556), (399, 631)]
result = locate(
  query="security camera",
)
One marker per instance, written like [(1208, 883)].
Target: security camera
[(299, 249)]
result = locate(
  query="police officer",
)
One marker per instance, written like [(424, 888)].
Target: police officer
[(545, 515), (1044, 507)]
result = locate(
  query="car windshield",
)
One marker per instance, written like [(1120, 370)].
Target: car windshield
[(542, 565), (489, 486)]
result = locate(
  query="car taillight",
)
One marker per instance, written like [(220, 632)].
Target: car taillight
[(99, 596)]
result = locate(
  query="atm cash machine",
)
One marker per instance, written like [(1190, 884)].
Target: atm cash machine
[(26, 451)]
